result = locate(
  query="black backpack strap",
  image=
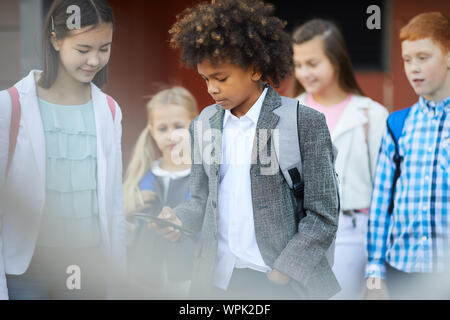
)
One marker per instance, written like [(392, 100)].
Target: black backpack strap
[(397, 160), (395, 123), (298, 185)]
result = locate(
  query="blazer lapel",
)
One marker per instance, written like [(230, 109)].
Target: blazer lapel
[(267, 122), (216, 125), (100, 107), (31, 117), (350, 118)]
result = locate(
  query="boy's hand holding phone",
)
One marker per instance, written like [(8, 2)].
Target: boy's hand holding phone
[(170, 233)]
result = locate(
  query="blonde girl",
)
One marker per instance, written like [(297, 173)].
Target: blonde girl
[(157, 176)]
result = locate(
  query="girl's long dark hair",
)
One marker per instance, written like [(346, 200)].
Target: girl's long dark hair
[(93, 12), (334, 48)]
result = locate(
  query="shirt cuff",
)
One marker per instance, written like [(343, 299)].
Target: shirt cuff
[(376, 270)]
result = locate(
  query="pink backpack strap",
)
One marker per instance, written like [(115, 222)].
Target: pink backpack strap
[(15, 121), (112, 106)]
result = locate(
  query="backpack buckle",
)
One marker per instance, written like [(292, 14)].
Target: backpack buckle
[(397, 159), (297, 184)]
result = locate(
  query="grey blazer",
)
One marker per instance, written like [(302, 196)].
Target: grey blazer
[(297, 249)]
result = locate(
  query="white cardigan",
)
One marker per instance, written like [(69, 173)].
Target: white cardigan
[(352, 163), (23, 189)]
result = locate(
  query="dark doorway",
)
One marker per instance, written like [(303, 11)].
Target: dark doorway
[(366, 46)]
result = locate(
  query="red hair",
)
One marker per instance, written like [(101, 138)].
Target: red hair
[(434, 25)]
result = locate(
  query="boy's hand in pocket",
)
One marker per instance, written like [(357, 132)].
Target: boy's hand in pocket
[(278, 277)]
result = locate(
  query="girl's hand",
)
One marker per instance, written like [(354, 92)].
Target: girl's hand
[(143, 199), (278, 277), (146, 197), (170, 233)]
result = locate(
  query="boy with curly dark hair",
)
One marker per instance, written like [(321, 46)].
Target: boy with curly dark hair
[(253, 245)]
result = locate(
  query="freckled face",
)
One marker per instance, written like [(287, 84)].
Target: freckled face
[(427, 68)]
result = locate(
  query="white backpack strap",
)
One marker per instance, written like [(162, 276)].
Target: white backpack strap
[(288, 148)]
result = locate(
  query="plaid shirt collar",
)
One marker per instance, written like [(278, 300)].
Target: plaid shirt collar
[(435, 108)]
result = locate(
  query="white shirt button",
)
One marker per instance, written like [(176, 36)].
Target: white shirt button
[(424, 238), (427, 177), (424, 208), (430, 149)]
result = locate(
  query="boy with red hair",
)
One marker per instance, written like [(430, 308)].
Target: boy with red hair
[(409, 219)]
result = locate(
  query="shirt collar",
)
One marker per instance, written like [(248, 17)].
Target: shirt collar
[(434, 107), (252, 113), (158, 171)]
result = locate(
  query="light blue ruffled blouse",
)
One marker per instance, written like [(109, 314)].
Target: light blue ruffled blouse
[(71, 216)]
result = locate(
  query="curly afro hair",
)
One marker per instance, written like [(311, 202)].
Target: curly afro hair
[(243, 32)]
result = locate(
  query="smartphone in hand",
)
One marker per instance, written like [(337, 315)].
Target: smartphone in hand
[(162, 222)]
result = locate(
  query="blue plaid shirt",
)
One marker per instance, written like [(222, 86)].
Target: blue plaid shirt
[(415, 237)]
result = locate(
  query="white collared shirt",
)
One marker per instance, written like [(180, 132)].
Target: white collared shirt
[(237, 245)]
